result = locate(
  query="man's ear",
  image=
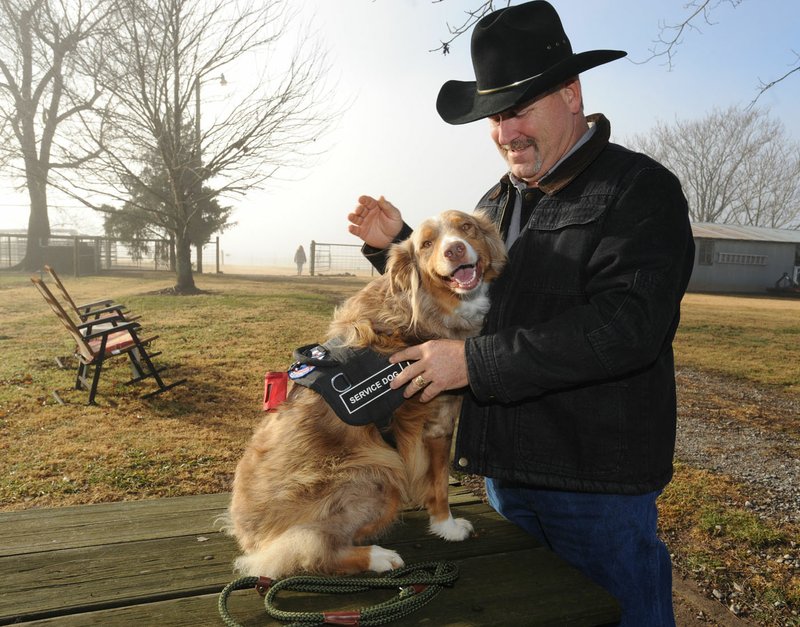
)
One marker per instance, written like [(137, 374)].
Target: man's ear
[(572, 94)]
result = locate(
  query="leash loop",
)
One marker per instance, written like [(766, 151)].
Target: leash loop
[(417, 585)]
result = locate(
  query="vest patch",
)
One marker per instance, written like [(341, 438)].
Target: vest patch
[(354, 382)]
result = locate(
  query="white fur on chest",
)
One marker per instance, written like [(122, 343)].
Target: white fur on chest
[(474, 310)]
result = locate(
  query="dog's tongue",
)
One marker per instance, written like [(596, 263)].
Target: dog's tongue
[(466, 277)]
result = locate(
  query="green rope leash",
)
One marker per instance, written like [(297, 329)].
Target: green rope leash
[(418, 584)]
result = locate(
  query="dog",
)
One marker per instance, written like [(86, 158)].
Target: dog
[(310, 489)]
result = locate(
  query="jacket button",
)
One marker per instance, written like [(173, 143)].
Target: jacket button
[(463, 462)]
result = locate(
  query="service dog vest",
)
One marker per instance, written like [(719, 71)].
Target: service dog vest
[(354, 382)]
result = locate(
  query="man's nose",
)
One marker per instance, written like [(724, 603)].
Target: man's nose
[(507, 131)]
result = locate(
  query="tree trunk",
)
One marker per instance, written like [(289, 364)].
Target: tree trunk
[(38, 227), (183, 266)]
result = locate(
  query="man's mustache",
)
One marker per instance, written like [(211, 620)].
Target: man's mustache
[(521, 143)]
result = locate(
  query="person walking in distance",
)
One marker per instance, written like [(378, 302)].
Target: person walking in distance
[(300, 259)]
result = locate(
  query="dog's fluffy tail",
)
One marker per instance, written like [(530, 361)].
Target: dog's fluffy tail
[(296, 550), (305, 549)]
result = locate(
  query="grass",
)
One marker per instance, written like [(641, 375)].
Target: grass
[(189, 440), (186, 441), (749, 338)]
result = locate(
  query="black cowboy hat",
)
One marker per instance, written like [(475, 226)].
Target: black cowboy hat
[(518, 53)]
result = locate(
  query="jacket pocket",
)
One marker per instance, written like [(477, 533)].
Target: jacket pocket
[(554, 214), (553, 253)]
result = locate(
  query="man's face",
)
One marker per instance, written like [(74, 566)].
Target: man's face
[(533, 136)]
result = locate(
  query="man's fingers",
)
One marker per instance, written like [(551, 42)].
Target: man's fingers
[(412, 353), (408, 373)]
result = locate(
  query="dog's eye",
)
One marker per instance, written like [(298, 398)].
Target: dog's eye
[(466, 227), (427, 244)]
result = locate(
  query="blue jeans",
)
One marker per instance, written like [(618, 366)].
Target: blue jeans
[(610, 538)]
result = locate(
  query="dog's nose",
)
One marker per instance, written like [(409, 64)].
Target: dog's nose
[(455, 251)]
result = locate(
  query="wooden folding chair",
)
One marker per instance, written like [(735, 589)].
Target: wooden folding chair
[(97, 340), (88, 311)]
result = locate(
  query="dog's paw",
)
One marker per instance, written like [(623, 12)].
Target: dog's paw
[(452, 529), (381, 560)]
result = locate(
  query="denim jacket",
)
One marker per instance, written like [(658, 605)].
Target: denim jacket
[(572, 381)]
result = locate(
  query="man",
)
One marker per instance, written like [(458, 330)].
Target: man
[(570, 408)]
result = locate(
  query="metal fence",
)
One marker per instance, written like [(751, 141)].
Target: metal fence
[(82, 255), (328, 259), (12, 249)]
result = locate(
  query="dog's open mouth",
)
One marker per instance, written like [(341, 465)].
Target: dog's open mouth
[(467, 277)]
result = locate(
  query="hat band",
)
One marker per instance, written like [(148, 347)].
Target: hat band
[(509, 86)]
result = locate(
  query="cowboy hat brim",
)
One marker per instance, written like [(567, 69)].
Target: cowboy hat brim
[(460, 102)]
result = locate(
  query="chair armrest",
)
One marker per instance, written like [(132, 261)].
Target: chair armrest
[(119, 309), (113, 320), (126, 326), (99, 303)]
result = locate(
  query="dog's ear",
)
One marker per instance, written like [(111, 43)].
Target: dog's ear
[(404, 278), (402, 267), (497, 249)]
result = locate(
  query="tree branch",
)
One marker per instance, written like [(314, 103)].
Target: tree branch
[(487, 6), (763, 87), (666, 46)]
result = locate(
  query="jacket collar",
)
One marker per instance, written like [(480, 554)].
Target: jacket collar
[(579, 160)]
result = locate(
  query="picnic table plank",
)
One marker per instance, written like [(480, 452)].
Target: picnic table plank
[(70, 527)]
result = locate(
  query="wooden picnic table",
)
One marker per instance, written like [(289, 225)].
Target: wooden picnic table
[(164, 562)]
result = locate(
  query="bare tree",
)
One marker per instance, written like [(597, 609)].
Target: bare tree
[(155, 63), (44, 88), (772, 203), (736, 166)]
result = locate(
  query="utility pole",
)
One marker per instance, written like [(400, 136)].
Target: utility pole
[(197, 183)]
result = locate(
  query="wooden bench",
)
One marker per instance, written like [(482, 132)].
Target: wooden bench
[(163, 562)]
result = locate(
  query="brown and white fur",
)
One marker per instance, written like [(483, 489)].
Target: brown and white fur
[(310, 489)]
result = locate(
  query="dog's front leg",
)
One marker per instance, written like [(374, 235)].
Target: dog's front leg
[(442, 522)]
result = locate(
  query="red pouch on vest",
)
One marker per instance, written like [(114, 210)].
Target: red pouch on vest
[(274, 389)]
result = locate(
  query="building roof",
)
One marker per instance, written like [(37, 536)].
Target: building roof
[(744, 233)]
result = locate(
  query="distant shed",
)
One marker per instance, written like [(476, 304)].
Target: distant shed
[(732, 258)]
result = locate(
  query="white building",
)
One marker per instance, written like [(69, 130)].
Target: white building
[(732, 258)]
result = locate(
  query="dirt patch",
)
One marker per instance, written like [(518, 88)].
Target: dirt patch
[(745, 432)]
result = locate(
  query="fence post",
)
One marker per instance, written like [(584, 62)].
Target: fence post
[(217, 252), (312, 258), (76, 260)]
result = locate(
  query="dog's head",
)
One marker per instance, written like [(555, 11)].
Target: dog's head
[(448, 263)]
